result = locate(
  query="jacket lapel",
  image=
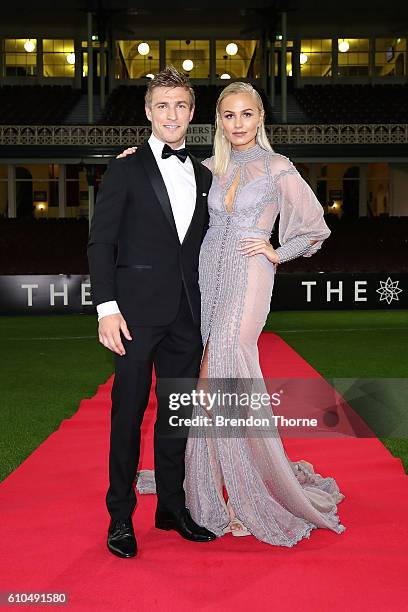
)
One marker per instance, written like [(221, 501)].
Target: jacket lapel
[(156, 179)]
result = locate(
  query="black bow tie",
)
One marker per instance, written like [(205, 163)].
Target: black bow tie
[(182, 154)]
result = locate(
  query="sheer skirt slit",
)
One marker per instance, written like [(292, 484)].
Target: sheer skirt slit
[(218, 477)]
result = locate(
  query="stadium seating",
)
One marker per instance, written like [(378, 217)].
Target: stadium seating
[(44, 246), (58, 246), (36, 104), (354, 103), (335, 103), (377, 244), (125, 105)]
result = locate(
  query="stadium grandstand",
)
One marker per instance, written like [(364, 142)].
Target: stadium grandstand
[(72, 97), (333, 77)]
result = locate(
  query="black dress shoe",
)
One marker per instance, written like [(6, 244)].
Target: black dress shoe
[(121, 538), (182, 522)]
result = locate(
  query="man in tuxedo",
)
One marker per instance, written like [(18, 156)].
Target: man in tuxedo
[(150, 219)]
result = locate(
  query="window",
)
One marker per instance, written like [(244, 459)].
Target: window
[(20, 56), (316, 58), (135, 59), (244, 63), (390, 56), (97, 58), (352, 56), (58, 58), (189, 56), (378, 188), (289, 51), (37, 190), (3, 190)]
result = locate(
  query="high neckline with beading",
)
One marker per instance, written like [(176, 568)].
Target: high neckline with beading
[(248, 154)]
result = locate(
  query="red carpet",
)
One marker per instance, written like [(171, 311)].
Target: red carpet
[(54, 522)]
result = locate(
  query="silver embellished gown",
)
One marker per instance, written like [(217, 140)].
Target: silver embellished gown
[(277, 500)]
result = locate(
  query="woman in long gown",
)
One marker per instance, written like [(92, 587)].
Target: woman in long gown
[(276, 500)]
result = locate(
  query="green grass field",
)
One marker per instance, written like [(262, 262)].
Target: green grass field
[(50, 363)]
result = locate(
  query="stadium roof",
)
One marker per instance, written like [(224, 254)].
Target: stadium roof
[(352, 17)]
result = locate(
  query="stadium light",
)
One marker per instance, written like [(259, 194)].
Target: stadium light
[(231, 49), (71, 58), (143, 48), (29, 46), (188, 65)]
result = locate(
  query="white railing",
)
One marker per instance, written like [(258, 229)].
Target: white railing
[(200, 135)]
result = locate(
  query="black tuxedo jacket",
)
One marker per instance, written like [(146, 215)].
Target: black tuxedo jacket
[(134, 253)]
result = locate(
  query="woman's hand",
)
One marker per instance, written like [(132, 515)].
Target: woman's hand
[(127, 152), (258, 246)]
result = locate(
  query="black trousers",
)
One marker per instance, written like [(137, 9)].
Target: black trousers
[(175, 350)]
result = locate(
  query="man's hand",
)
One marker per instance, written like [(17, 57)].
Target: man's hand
[(110, 327), (127, 152)]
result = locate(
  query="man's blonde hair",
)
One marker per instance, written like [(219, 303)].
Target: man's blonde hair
[(169, 77)]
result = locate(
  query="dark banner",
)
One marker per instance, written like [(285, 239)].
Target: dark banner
[(67, 294), (48, 294), (333, 291)]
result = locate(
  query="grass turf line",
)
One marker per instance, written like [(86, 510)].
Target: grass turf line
[(50, 363)]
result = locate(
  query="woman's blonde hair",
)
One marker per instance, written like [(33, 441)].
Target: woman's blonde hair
[(222, 146)]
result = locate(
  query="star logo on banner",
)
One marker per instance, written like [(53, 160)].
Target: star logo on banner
[(389, 290)]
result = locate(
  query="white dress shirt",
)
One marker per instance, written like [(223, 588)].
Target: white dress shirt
[(179, 179)]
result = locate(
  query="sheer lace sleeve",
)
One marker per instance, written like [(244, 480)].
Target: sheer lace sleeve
[(301, 214), (208, 162)]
